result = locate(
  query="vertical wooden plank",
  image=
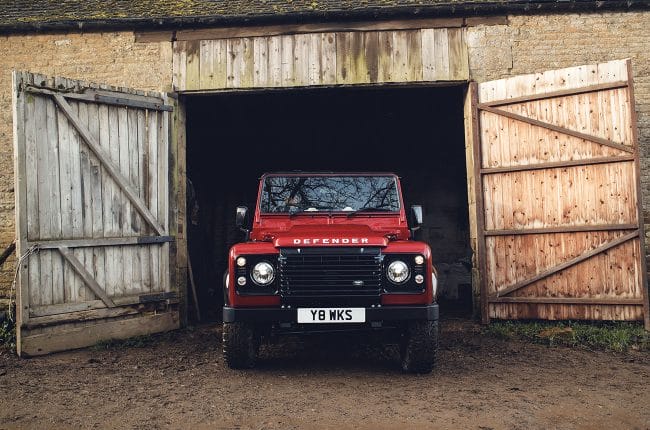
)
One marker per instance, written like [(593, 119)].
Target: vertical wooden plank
[(54, 166), (108, 197), (315, 56), (441, 54), (343, 58), (193, 65), (275, 61), (126, 209), (429, 65), (301, 59), (143, 188), (163, 195), (248, 60), (98, 125), (34, 189), (288, 76), (261, 62), (359, 70), (20, 178), (234, 63), (414, 51), (399, 56), (458, 60), (206, 64), (153, 120), (328, 58), (180, 64), (44, 197), (134, 228), (385, 57), (75, 290)]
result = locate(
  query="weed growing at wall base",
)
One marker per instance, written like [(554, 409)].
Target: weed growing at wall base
[(610, 336), (7, 334)]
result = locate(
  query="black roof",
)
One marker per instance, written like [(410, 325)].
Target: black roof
[(90, 15)]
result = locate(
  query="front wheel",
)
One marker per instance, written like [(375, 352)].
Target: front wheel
[(420, 346), (240, 345)]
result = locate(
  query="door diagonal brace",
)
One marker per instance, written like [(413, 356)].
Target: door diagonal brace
[(567, 264), (110, 167), (87, 277)]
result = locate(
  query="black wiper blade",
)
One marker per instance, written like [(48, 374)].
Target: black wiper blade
[(303, 211), (367, 209)]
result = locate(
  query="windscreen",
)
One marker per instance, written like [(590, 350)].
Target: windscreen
[(293, 194)]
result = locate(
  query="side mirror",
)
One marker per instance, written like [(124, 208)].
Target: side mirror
[(416, 218), (241, 220)]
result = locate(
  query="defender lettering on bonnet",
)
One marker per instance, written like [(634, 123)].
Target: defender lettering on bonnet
[(330, 241)]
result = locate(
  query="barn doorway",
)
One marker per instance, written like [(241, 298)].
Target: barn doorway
[(416, 132)]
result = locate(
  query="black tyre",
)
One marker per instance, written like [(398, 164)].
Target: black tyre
[(420, 346), (240, 345)]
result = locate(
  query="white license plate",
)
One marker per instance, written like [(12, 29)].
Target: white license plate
[(331, 315)]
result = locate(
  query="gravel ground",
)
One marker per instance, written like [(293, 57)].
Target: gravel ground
[(179, 380)]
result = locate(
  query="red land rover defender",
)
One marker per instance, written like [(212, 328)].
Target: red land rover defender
[(328, 252)]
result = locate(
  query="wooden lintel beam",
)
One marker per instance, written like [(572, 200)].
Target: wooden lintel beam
[(567, 300), (579, 259), (108, 164), (559, 93), (562, 229), (556, 128), (557, 164), (333, 27), (108, 241), (86, 276)]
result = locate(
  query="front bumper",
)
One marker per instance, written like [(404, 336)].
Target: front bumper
[(279, 315)]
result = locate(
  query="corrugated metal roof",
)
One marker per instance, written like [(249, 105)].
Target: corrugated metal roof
[(34, 15)]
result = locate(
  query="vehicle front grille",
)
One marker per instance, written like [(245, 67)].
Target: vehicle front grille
[(330, 276)]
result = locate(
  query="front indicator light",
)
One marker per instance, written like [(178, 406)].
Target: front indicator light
[(241, 261), (419, 279), (419, 259), (398, 272), (263, 273), (241, 281)]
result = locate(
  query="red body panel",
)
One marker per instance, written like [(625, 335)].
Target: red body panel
[(386, 230)]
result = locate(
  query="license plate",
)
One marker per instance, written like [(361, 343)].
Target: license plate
[(331, 315)]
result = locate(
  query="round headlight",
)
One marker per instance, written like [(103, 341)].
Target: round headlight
[(263, 273), (398, 272)]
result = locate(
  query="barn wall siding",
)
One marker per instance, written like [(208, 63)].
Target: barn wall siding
[(527, 44)]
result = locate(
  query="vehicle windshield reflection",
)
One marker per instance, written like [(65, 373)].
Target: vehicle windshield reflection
[(311, 194)]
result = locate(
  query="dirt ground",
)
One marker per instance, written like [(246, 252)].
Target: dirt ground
[(179, 380)]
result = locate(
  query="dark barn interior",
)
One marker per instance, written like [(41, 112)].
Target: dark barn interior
[(416, 132)]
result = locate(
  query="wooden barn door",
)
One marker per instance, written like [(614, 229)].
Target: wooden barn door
[(558, 195), (91, 167)]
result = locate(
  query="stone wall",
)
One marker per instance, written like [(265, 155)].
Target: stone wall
[(111, 58)]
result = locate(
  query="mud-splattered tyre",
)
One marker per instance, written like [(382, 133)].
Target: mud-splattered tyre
[(420, 347), (240, 345)]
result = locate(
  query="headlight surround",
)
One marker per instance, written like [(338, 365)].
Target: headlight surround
[(263, 273), (398, 272)]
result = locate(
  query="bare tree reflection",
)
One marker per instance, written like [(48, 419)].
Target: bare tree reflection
[(329, 193)]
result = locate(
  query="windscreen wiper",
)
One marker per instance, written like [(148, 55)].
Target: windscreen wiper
[(367, 209)]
